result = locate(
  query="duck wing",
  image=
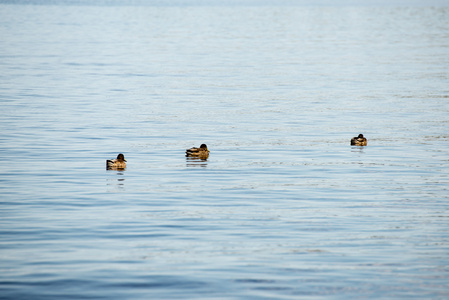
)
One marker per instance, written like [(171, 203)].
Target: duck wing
[(193, 151), (110, 163)]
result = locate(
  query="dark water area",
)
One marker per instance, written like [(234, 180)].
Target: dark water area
[(283, 208)]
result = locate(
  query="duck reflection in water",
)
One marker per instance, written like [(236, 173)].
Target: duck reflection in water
[(118, 164), (117, 183), (196, 162)]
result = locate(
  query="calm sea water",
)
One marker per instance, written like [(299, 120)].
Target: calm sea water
[(284, 208)]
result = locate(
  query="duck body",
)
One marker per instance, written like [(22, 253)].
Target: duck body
[(116, 164), (202, 152), (359, 141)]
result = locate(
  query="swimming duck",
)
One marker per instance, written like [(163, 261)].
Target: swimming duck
[(358, 141), (202, 152), (116, 164)]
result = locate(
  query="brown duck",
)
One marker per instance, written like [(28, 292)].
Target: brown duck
[(358, 141), (116, 164), (202, 152)]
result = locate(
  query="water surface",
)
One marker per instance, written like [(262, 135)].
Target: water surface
[(284, 208)]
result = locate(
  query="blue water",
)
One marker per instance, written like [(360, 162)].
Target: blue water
[(284, 208)]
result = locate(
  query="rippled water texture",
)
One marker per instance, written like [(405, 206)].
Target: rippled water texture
[(284, 208)]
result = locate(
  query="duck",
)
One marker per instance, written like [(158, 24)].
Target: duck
[(202, 152), (358, 141), (116, 164)]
